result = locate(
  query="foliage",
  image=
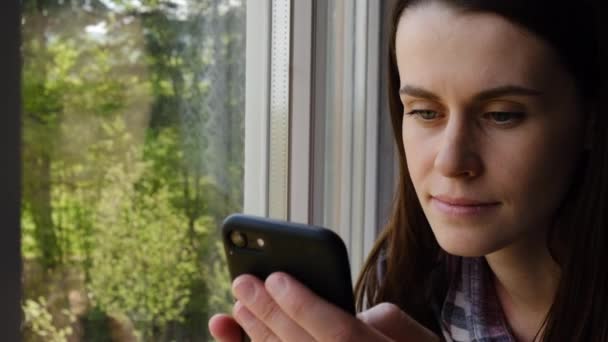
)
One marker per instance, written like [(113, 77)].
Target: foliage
[(132, 156), (38, 318), (142, 262)]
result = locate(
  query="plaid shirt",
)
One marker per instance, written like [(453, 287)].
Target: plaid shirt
[(471, 310)]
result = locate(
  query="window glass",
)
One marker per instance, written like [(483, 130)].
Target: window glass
[(133, 114)]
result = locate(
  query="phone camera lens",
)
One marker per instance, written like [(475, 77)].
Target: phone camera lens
[(238, 239)]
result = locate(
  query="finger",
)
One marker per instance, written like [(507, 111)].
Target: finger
[(225, 329), (391, 321), (252, 294), (385, 317), (321, 319), (253, 327)]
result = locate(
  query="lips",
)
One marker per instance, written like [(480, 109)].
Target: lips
[(462, 201), (462, 206)]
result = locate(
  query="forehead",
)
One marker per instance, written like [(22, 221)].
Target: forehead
[(442, 48)]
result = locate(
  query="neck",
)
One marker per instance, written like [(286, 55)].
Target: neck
[(526, 279)]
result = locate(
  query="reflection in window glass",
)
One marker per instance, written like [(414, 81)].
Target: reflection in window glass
[(133, 115)]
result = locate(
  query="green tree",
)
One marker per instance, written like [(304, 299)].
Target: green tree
[(71, 81), (142, 262), (133, 133)]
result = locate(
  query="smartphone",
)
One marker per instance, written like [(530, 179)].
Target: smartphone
[(315, 256)]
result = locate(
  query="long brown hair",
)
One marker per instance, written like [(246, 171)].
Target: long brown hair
[(406, 265)]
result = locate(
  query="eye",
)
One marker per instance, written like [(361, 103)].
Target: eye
[(424, 114), (504, 117)]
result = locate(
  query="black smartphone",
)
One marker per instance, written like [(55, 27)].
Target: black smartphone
[(315, 256)]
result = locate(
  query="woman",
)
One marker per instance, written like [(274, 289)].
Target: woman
[(499, 229)]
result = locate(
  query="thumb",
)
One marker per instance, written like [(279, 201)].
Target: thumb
[(395, 324)]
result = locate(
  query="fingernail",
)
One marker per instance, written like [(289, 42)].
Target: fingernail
[(244, 291), (276, 284)]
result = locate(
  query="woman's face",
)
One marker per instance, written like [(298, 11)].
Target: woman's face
[(491, 127)]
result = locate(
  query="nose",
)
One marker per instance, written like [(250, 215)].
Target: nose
[(458, 154)]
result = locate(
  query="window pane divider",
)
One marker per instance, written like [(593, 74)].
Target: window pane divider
[(257, 103), (280, 59), (301, 161)]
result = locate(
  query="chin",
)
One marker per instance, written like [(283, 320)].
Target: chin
[(468, 244), (464, 250)]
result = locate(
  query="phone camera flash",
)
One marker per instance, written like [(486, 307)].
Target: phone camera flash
[(260, 242)]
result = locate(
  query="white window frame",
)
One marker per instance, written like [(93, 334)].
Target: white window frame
[(285, 137), (355, 133), (257, 87), (267, 108)]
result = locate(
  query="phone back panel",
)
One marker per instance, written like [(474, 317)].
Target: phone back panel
[(315, 256)]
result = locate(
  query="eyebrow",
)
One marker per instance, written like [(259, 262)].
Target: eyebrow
[(481, 96)]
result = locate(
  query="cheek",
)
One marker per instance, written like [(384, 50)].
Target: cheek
[(418, 149), (535, 173)]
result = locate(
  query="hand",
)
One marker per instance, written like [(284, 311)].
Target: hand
[(282, 309)]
